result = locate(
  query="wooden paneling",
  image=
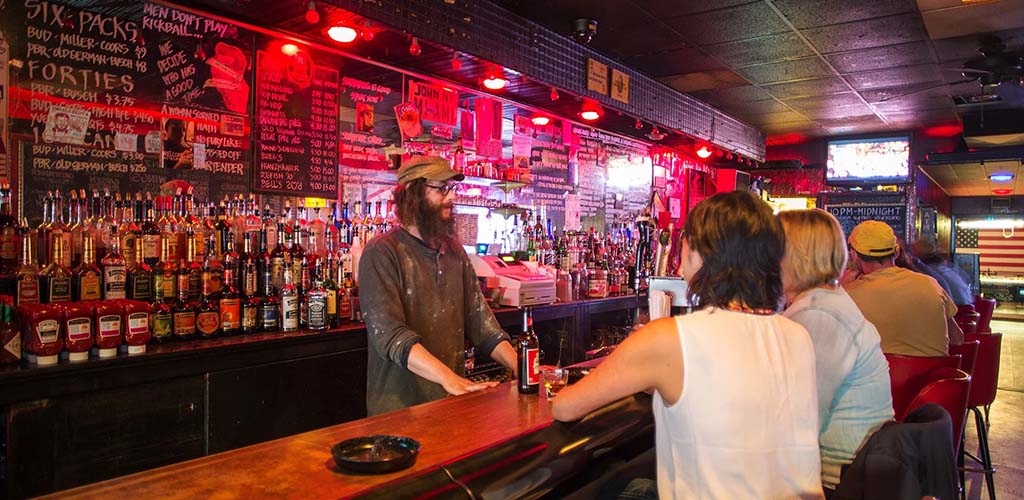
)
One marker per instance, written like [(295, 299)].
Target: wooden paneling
[(265, 402), (54, 444)]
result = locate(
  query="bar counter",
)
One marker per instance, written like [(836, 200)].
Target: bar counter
[(488, 438), (77, 423)]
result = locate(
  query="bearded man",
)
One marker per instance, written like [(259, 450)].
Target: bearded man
[(420, 298)]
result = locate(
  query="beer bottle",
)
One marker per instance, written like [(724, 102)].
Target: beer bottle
[(529, 356)]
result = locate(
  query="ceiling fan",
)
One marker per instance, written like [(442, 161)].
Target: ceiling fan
[(992, 67)]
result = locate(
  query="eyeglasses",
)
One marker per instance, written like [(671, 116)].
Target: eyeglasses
[(444, 189)]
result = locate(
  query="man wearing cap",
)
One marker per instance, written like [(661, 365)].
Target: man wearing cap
[(420, 298), (912, 313)]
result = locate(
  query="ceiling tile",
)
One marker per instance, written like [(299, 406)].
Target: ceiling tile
[(812, 13), (889, 56), (782, 128), (756, 107), (895, 77), (785, 46), (914, 92), (824, 102), (801, 88), (965, 18), (785, 71), (774, 118), (673, 61), (745, 93), (861, 123), (726, 25), (836, 112), (620, 40), (673, 8), (867, 34), (692, 82)]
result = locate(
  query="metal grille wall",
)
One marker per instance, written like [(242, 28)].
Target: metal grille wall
[(489, 31)]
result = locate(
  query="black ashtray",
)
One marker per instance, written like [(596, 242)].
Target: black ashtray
[(376, 454)]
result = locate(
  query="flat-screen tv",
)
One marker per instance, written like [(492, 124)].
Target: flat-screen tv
[(883, 160)]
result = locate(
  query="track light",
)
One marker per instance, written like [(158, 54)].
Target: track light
[(312, 16)]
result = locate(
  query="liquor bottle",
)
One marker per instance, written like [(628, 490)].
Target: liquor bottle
[(529, 356), (26, 274), (249, 266), (279, 259), (55, 279), (86, 281), (270, 224), (305, 284), (114, 268), (317, 230), (193, 269), (8, 231), (331, 238), (139, 277), (167, 222), (230, 305), (213, 266), (331, 288), (222, 230), (79, 225), (268, 314), (161, 325), (41, 234), (150, 235), (60, 232), (183, 314), (262, 259), (165, 273), (296, 253), (129, 230), (289, 302), (231, 260), (316, 299), (345, 297), (208, 310)]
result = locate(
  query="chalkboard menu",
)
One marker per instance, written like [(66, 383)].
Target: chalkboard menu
[(125, 102), (849, 215), (296, 124)]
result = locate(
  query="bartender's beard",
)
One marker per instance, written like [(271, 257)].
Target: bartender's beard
[(433, 227)]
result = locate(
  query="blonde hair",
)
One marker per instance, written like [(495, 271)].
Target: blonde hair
[(815, 249)]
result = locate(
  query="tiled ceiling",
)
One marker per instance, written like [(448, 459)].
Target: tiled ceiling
[(972, 178), (813, 67)]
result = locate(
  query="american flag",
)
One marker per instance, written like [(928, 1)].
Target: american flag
[(1001, 250)]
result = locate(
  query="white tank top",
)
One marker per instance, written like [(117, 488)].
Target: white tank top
[(746, 423)]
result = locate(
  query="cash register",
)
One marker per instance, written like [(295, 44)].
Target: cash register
[(517, 284)]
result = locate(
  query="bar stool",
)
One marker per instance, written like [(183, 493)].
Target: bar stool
[(982, 395), (984, 307), (968, 352), (949, 389), (909, 374)]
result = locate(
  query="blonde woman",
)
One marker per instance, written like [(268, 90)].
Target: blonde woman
[(854, 397)]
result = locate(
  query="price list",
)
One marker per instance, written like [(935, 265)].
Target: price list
[(297, 129)]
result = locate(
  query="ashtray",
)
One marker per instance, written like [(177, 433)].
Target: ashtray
[(376, 454)]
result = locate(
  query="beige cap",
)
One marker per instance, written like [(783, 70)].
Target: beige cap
[(433, 168), (873, 238)]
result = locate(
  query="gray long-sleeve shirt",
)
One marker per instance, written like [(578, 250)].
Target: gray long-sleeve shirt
[(410, 293)]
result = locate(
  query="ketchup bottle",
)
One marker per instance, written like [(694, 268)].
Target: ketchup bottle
[(40, 328), (136, 325), (108, 326), (76, 326)]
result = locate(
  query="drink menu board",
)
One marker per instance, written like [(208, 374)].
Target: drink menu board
[(296, 124), (98, 98)]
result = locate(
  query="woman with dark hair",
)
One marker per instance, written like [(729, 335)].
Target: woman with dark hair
[(735, 402)]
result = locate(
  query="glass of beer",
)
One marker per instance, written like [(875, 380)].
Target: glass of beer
[(555, 380)]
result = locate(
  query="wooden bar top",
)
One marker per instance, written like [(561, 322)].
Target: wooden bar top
[(301, 466)]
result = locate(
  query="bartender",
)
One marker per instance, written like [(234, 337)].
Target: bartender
[(420, 298)]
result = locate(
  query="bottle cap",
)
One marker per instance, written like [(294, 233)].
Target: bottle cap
[(78, 356)]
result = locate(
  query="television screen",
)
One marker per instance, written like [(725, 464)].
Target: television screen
[(867, 161)]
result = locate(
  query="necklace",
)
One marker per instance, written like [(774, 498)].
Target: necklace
[(733, 306)]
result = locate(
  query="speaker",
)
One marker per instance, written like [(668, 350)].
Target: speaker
[(730, 179)]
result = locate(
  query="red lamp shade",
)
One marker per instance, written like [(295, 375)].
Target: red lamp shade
[(495, 79), (703, 152), (540, 120), (342, 34), (289, 49), (591, 110)]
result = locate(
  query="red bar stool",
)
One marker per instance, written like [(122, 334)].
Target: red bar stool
[(984, 307), (949, 389), (968, 352), (909, 374), (982, 394)]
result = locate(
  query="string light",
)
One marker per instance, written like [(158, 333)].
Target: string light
[(367, 32), (639, 125), (414, 47), (554, 94), (456, 62)]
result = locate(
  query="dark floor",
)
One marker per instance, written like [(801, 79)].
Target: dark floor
[(1007, 419)]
